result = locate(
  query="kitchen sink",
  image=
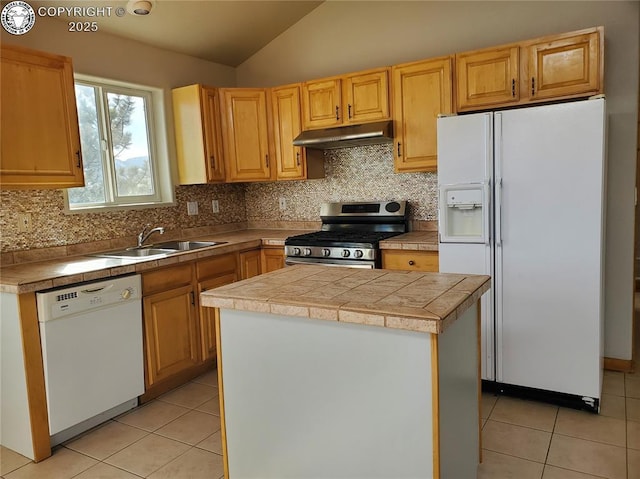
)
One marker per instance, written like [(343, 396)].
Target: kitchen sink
[(186, 245), (159, 250), (133, 253)]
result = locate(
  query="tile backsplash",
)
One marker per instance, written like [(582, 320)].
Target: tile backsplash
[(51, 226), (352, 174)]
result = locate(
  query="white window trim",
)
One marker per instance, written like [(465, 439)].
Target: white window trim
[(158, 143)]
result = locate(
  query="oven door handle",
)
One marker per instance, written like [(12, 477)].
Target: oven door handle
[(324, 262)]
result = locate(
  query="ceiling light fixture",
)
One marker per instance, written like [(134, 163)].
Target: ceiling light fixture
[(140, 7)]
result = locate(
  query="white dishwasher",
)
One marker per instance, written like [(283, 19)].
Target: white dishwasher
[(92, 350)]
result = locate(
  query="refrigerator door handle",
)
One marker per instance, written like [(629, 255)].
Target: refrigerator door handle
[(486, 212), (497, 132), (498, 211)]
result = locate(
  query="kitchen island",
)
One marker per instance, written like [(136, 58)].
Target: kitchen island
[(331, 372)]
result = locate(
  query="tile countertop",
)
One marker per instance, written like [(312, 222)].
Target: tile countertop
[(414, 301), (415, 240), (41, 275)]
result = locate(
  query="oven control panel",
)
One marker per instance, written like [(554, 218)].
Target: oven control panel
[(330, 252)]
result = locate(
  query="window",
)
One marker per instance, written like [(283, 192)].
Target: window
[(118, 133)]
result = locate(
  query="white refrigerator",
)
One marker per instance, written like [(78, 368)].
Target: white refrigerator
[(522, 199)]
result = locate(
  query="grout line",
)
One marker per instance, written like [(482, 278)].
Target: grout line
[(553, 432)]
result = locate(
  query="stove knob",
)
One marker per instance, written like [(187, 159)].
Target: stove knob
[(307, 251), (345, 253), (296, 251), (326, 252), (358, 253)]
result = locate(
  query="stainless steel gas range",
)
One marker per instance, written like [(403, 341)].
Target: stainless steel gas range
[(349, 235)]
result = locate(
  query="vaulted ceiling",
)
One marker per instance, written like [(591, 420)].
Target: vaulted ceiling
[(226, 32)]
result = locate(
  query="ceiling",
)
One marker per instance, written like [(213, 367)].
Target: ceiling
[(226, 32)]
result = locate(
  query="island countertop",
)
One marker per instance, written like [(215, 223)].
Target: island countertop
[(411, 300)]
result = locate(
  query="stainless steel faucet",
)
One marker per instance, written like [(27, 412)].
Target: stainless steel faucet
[(144, 235)]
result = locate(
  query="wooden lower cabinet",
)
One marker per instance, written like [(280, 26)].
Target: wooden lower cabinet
[(212, 273), (250, 263), (179, 334), (171, 334), (409, 260), (272, 258)]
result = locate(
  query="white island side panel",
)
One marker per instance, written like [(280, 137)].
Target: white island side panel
[(318, 399)]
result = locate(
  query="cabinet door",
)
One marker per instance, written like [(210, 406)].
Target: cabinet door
[(487, 78), (250, 264), (321, 101), (208, 315), (366, 96), (410, 260), (245, 134), (40, 136), (212, 135), (287, 124), (272, 259), (170, 333), (196, 117), (564, 67), (421, 91)]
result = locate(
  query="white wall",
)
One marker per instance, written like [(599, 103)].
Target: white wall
[(347, 36)]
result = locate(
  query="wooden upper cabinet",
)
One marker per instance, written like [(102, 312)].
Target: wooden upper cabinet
[(566, 65), (39, 121), (321, 103), (196, 115), (366, 96), (350, 99), (555, 67), (421, 91), (287, 124), (486, 78), (245, 134)]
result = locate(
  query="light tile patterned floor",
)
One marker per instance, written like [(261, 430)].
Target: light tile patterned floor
[(173, 437), (177, 436)]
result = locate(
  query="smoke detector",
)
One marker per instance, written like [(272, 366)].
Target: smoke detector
[(140, 7)]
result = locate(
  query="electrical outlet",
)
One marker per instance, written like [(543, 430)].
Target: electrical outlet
[(215, 206), (24, 222), (283, 203), (192, 208)]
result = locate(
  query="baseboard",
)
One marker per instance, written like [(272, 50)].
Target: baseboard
[(622, 365)]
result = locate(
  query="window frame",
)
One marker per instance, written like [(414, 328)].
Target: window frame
[(161, 173)]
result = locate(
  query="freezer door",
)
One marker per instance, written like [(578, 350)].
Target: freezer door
[(465, 149), (549, 236), (465, 169), (475, 259)]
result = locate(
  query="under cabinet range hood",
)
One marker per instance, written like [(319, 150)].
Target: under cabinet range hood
[(346, 136)]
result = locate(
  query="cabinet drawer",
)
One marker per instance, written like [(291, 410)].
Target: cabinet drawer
[(216, 266), (410, 260), (166, 278)]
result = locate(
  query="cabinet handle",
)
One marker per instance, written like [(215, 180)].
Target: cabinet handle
[(193, 298), (399, 155), (79, 157), (298, 158), (349, 110), (533, 86), (212, 159), (411, 262), (337, 113), (266, 160), (513, 87)]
